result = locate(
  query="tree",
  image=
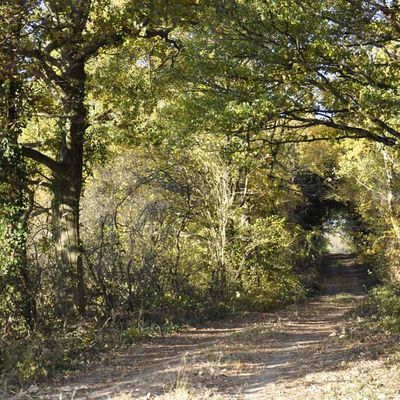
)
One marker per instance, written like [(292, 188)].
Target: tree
[(16, 285), (63, 37), (292, 65)]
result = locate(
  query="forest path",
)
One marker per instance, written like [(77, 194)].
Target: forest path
[(303, 352)]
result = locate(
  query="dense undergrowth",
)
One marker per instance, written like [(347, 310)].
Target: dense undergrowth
[(382, 306), (60, 348), (43, 354)]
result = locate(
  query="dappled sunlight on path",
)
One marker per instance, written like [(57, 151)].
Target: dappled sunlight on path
[(297, 353)]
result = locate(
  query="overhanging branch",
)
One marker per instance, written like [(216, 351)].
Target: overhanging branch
[(41, 158), (359, 133)]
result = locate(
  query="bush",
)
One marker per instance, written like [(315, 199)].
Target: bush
[(40, 355), (383, 305)]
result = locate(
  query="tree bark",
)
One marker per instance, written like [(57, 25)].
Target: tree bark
[(69, 285), (67, 194)]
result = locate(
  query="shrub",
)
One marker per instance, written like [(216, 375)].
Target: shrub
[(383, 305)]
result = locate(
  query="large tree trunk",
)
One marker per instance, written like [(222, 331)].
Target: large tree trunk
[(69, 285), (67, 193)]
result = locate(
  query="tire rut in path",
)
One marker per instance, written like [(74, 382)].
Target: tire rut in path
[(308, 339)]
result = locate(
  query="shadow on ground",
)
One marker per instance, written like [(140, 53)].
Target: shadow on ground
[(241, 357)]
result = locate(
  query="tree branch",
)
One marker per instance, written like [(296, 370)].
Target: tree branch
[(41, 158), (359, 132), (118, 37), (305, 139)]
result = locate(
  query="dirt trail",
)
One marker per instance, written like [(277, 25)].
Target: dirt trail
[(302, 352)]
